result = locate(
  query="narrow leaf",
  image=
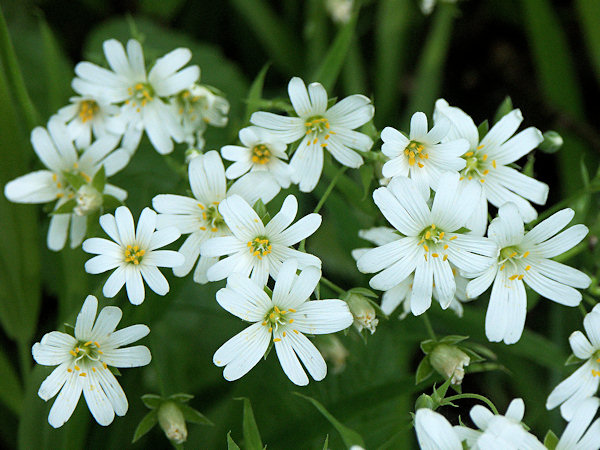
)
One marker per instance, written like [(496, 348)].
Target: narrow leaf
[(194, 416), (152, 401), (11, 392), (252, 439), (231, 445), (75, 180), (145, 425), (505, 107), (99, 179), (255, 92), (424, 371)]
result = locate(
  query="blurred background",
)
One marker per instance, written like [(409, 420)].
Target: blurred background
[(544, 54)]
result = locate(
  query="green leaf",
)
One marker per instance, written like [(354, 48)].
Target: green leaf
[(428, 346), (572, 359), (66, 208), (440, 393), (255, 93), (145, 425), (99, 180), (261, 210), (116, 372), (152, 401), (194, 416), (252, 439), (349, 436), (424, 371), (326, 443), (483, 129), (367, 174), (75, 180), (231, 445), (329, 70), (505, 107), (453, 339), (550, 440), (11, 392), (589, 18)]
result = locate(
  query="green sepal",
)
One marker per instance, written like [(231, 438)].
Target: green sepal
[(453, 339), (261, 210), (331, 101), (152, 401), (483, 129), (99, 180), (363, 291), (114, 371), (192, 415), (66, 208), (462, 230), (424, 371), (550, 440), (572, 359), (439, 393), (145, 425), (69, 329), (505, 107), (528, 167), (75, 180), (181, 397), (428, 346), (474, 357)]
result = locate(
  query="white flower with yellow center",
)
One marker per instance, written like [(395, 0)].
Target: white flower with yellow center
[(55, 149), (139, 94), (422, 156), (321, 128), (199, 215), (524, 258), (86, 117), (133, 254), (431, 240), (488, 160), (256, 249), (197, 107), (584, 381), (399, 295), (83, 361), (434, 432), (579, 434), (262, 153), (283, 317)]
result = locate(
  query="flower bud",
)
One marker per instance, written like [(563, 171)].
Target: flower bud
[(363, 312), (88, 200), (425, 401), (449, 361), (552, 142), (340, 10), (171, 420), (333, 351), (191, 153)]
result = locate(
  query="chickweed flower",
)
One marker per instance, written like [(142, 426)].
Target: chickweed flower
[(283, 318), (434, 432), (134, 254), (83, 361), (321, 128), (524, 258)]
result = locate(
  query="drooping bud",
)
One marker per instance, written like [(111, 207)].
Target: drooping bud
[(552, 142), (171, 420), (88, 200), (333, 351), (363, 312), (340, 10), (449, 361), (425, 401)]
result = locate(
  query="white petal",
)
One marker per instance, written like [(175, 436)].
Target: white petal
[(307, 165), (563, 241), (177, 82), (284, 217), (515, 410), (394, 212), (562, 273), (580, 384), (107, 321), (580, 345), (550, 226), (244, 298), (321, 317), (351, 112), (289, 361), (303, 287), (154, 279), (113, 391), (102, 246), (109, 225), (174, 204), (155, 129), (54, 382), (85, 318), (308, 354), (243, 351), (462, 126), (190, 251), (503, 129), (591, 323), (35, 187), (397, 272), (65, 403), (163, 237), (418, 126), (405, 191), (164, 258), (384, 256), (299, 98), (420, 298), (97, 401), (115, 282), (241, 219), (169, 64), (343, 153), (553, 290), (127, 335), (305, 227), (57, 232), (134, 285), (435, 432), (124, 221), (135, 356)]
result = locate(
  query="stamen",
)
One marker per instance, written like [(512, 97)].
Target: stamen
[(276, 340)]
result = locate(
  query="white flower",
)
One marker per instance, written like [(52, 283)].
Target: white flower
[(488, 160), (421, 156), (340, 10), (86, 116), (141, 95), (283, 317), (584, 381), (256, 249), (573, 438), (321, 128), (431, 241), (83, 363), (499, 431), (434, 432), (261, 152), (199, 216), (134, 254), (400, 294), (55, 149), (524, 259)]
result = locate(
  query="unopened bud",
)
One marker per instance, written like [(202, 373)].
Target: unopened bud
[(424, 401), (88, 200), (552, 142), (191, 153), (171, 420), (333, 351), (363, 312), (449, 361), (340, 10)]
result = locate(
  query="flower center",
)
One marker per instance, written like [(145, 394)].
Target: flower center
[(477, 165), (261, 154), (260, 246), (318, 126), (133, 254), (88, 200), (434, 240), (89, 350), (415, 150), (510, 255), (276, 317), (211, 216), (140, 95), (87, 109)]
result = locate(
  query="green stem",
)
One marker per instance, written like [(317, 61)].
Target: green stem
[(475, 396), (332, 184), (429, 327), (332, 286), (15, 78), (589, 299), (24, 360)]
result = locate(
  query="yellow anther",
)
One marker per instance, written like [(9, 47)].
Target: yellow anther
[(200, 205), (93, 369), (445, 257), (484, 157), (87, 343), (482, 180), (276, 309), (461, 178), (214, 230), (284, 334), (435, 255), (445, 246), (96, 342), (513, 254), (525, 255), (494, 163), (270, 329), (428, 235), (486, 171), (104, 365), (291, 310), (83, 374), (203, 228), (520, 277), (420, 165), (72, 353), (469, 154), (139, 86), (480, 147), (453, 237), (295, 331), (291, 321), (470, 177), (315, 141), (77, 367), (425, 255), (512, 277), (69, 370), (276, 340), (425, 247), (323, 145), (527, 267), (502, 267)]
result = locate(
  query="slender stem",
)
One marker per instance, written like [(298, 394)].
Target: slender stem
[(475, 396), (591, 300), (332, 184), (429, 327), (582, 309), (332, 286), (15, 78)]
